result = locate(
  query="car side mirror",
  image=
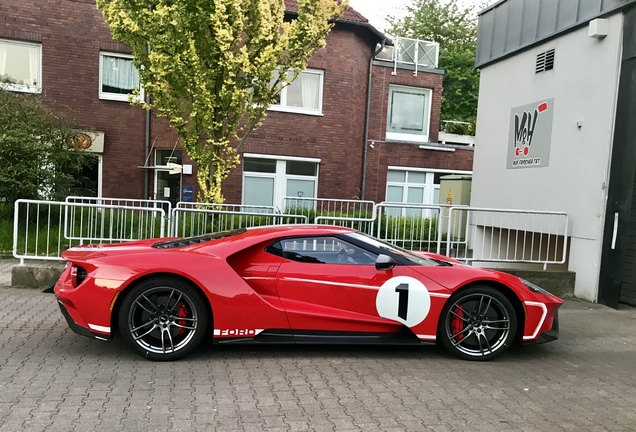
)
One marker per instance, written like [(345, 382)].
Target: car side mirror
[(384, 262)]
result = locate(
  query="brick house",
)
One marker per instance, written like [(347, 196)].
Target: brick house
[(319, 141)]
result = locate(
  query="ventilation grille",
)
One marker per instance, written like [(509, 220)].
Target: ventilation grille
[(545, 61)]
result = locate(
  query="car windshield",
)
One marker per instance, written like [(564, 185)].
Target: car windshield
[(410, 256)]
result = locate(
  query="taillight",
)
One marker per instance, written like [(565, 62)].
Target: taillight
[(78, 274)]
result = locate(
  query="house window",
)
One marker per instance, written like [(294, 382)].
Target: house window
[(409, 114), (303, 95), (267, 180), (20, 66), (415, 186), (117, 77)]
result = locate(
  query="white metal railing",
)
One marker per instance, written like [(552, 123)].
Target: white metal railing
[(75, 215), (126, 202), (44, 229), (358, 214), (199, 219), (507, 236), (411, 226), (414, 52), (228, 207)]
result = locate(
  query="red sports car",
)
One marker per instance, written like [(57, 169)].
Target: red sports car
[(296, 284)]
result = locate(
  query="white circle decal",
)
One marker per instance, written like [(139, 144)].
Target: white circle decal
[(403, 299)]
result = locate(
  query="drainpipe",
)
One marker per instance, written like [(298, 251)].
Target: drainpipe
[(146, 173), (366, 121), (147, 143)]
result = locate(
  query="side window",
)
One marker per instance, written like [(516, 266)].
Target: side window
[(322, 250)]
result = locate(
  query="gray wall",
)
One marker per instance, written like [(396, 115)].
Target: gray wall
[(512, 25), (584, 85)]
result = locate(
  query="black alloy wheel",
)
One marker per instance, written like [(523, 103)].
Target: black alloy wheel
[(478, 323), (163, 319)]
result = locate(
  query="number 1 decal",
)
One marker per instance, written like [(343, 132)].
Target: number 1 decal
[(403, 299)]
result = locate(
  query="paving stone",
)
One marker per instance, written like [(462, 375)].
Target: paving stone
[(54, 380)]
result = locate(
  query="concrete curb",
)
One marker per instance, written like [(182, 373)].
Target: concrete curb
[(36, 276)]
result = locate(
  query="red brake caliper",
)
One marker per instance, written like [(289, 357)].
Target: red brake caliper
[(456, 323), (182, 313)]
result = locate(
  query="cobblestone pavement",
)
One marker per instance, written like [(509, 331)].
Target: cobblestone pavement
[(54, 380)]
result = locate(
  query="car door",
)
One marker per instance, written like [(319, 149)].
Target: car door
[(330, 285)]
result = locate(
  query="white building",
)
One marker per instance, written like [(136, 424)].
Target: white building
[(556, 128)]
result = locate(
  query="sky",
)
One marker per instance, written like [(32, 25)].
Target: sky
[(376, 10)]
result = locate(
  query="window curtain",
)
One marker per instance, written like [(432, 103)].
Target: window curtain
[(119, 73), (310, 85)]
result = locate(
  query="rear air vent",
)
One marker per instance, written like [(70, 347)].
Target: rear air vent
[(78, 274), (545, 61)]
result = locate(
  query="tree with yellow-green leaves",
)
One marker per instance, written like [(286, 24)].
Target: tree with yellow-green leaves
[(211, 67)]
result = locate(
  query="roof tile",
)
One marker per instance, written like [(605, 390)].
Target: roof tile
[(349, 15)]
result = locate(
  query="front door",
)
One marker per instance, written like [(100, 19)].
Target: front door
[(617, 281), (329, 285), (168, 175)]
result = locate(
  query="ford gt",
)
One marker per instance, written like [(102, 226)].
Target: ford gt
[(297, 284)]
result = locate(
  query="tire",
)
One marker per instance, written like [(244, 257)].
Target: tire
[(478, 323), (163, 319)]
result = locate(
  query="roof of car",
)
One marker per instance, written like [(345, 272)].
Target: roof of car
[(301, 228)]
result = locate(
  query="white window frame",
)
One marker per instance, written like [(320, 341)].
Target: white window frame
[(115, 96), (429, 187), (280, 176), (21, 87), (410, 137), (100, 179), (282, 106)]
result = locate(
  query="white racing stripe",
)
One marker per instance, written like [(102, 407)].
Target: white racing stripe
[(427, 337), (545, 313), (99, 328), (322, 282)]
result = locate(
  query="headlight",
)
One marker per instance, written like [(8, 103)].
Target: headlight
[(536, 288)]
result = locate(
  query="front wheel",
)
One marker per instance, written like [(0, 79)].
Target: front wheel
[(163, 319), (479, 323)]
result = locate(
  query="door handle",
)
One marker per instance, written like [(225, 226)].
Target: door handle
[(615, 230)]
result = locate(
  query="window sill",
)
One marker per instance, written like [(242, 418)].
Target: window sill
[(407, 138), (118, 98), (20, 88), (296, 111)]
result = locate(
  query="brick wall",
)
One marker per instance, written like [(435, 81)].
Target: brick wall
[(72, 34), (386, 153), (335, 137)]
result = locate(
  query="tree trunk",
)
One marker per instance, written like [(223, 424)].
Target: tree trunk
[(212, 171)]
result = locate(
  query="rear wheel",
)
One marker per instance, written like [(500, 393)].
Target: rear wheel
[(163, 319), (478, 323)]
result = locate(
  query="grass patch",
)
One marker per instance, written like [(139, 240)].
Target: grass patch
[(6, 235)]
